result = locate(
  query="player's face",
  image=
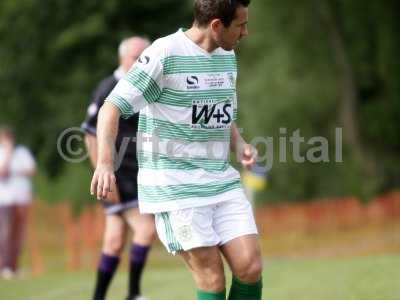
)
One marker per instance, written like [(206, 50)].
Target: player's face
[(229, 37)]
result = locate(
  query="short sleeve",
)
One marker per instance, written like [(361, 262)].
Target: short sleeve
[(142, 85)]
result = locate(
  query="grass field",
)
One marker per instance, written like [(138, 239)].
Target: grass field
[(361, 278), (360, 263)]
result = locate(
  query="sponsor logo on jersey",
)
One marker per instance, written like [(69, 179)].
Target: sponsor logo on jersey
[(144, 59), (192, 82), (211, 114), (216, 80)]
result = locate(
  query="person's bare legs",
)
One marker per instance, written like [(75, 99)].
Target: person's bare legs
[(144, 233), (243, 255), (244, 258), (142, 225), (114, 235), (207, 270), (113, 244)]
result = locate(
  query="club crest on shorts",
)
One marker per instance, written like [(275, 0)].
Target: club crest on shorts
[(184, 233)]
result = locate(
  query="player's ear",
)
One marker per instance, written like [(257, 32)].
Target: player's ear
[(215, 25)]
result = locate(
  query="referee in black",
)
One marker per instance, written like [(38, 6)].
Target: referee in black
[(121, 209)]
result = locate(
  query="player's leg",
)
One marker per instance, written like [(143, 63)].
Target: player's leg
[(234, 223), (190, 233), (244, 258), (144, 233), (113, 243), (207, 270)]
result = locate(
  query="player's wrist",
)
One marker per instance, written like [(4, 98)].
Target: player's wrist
[(106, 165)]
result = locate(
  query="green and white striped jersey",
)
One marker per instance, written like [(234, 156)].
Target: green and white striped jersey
[(187, 102)]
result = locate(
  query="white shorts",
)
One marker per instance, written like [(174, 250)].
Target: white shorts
[(205, 226)]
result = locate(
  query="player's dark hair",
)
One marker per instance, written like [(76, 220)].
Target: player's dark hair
[(225, 10)]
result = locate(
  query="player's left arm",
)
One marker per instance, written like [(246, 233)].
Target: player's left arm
[(245, 153)]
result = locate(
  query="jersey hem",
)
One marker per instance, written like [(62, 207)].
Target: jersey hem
[(154, 207)]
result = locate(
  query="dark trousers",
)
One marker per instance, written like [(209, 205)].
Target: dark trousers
[(5, 235), (13, 220)]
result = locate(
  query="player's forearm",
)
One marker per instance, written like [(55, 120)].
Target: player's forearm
[(107, 129), (237, 140), (91, 146), (245, 153)]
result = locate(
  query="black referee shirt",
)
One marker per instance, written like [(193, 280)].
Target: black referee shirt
[(127, 127)]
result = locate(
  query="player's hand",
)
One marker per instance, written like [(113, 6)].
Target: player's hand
[(247, 155), (102, 181)]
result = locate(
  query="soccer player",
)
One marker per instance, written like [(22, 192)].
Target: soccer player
[(184, 86), (121, 206)]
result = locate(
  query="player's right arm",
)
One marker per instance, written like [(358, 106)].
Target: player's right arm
[(245, 153), (140, 87), (107, 129), (91, 146)]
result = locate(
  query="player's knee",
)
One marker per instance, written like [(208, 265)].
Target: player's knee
[(145, 236), (211, 281), (251, 270), (113, 245)]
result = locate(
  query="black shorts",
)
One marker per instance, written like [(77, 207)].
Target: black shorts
[(126, 177)]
